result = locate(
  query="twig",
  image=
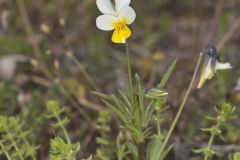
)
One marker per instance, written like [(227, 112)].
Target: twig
[(30, 34), (83, 70), (90, 105), (214, 20), (36, 79), (89, 136), (226, 38)]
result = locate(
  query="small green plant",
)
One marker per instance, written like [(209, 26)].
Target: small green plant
[(105, 149), (137, 111), (14, 143), (224, 114), (121, 146), (61, 148)]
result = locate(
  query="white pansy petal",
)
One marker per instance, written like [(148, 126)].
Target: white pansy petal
[(105, 6), (222, 66), (105, 22), (127, 13), (120, 4), (209, 71)]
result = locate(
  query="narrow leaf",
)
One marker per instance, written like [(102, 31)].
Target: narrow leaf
[(140, 93), (133, 150), (167, 75)]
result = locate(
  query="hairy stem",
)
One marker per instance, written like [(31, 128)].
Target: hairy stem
[(182, 106), (130, 83)]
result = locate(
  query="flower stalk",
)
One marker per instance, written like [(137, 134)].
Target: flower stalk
[(131, 95), (130, 82), (182, 106)]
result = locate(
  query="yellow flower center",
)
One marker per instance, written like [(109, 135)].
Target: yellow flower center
[(121, 32)]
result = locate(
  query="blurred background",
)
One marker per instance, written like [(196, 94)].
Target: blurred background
[(46, 44)]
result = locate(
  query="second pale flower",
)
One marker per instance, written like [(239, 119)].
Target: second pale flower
[(211, 65)]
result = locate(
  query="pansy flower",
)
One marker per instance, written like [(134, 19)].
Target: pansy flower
[(116, 17), (211, 65)]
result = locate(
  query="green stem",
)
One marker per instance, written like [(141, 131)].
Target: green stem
[(130, 83), (210, 142), (158, 123), (140, 151), (64, 130), (131, 95), (5, 152), (182, 106), (28, 145)]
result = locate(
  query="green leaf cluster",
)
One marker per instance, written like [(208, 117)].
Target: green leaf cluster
[(137, 112), (224, 113), (14, 143), (60, 150)]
